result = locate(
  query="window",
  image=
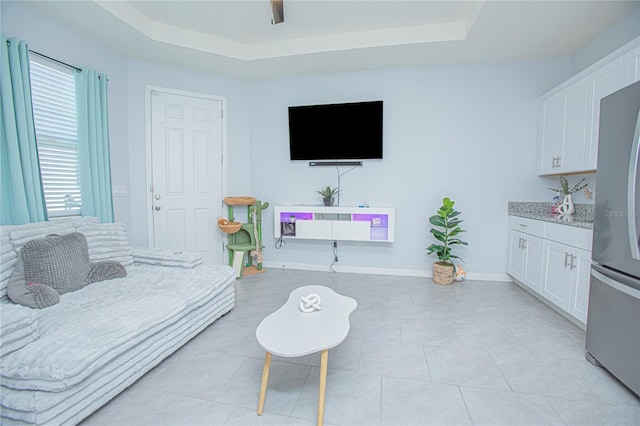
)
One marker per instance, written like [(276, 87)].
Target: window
[(54, 112)]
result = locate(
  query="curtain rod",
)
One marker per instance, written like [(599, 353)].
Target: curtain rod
[(55, 60)]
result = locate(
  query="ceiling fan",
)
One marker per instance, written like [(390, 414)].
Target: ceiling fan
[(277, 11)]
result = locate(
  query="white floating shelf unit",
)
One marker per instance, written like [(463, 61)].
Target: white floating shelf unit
[(335, 223)]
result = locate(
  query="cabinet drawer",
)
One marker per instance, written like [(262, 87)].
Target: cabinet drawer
[(351, 230), (570, 235), (313, 229), (528, 226)]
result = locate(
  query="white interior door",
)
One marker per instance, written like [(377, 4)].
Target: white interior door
[(187, 173)]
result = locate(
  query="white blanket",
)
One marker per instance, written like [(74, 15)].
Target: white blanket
[(18, 327), (101, 338), (165, 257)]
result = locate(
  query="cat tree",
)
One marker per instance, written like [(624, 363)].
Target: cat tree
[(244, 239)]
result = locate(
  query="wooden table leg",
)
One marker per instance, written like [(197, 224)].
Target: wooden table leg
[(324, 358), (265, 379)]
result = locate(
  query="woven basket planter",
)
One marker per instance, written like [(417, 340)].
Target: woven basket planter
[(442, 274)]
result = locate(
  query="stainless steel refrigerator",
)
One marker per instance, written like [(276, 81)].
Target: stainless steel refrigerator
[(613, 319)]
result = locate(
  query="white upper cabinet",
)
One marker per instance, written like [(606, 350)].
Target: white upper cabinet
[(576, 123), (569, 114), (551, 133), (565, 126), (604, 81)]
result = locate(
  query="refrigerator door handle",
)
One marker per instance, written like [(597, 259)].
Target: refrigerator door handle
[(615, 284), (632, 189)]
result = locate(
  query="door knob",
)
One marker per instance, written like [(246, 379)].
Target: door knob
[(157, 197), (157, 207)]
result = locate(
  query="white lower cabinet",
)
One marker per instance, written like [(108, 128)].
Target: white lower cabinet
[(559, 259), (525, 259), (516, 255), (534, 263), (580, 296), (553, 262), (566, 280)]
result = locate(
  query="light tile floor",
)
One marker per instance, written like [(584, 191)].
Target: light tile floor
[(473, 353)]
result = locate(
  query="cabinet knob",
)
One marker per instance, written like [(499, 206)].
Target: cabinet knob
[(572, 259), (566, 259), (157, 208)]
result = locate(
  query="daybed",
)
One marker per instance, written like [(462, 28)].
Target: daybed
[(60, 363)]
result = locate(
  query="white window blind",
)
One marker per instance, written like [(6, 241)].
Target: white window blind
[(54, 113)]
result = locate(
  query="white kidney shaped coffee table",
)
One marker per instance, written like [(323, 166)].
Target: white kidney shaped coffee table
[(314, 318)]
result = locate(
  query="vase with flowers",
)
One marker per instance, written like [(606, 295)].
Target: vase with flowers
[(567, 207)]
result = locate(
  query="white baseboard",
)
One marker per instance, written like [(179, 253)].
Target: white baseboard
[(473, 276)]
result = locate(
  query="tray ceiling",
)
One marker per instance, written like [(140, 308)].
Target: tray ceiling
[(237, 38)]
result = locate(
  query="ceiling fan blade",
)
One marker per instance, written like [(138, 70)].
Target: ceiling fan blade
[(277, 11)]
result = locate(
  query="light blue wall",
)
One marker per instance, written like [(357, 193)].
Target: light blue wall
[(464, 131), (618, 35)]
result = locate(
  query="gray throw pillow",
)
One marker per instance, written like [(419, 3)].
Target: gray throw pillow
[(107, 270), (60, 262), (32, 295), (54, 265)]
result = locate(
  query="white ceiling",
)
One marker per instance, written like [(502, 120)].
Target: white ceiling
[(317, 36)]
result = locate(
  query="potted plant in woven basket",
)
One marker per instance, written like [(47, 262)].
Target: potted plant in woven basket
[(447, 228)]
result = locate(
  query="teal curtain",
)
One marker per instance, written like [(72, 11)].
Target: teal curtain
[(22, 199), (93, 145)]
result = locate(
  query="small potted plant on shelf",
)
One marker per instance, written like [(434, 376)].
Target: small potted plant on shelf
[(328, 194), (567, 207), (447, 228)]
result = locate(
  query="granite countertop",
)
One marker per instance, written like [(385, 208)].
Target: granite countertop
[(582, 218)]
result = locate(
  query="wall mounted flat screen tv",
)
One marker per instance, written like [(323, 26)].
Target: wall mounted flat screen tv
[(346, 131)]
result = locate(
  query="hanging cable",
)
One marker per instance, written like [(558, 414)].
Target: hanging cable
[(339, 176), (279, 242), (334, 244)]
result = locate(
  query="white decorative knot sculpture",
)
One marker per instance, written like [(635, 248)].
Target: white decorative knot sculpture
[(567, 207), (310, 303)]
